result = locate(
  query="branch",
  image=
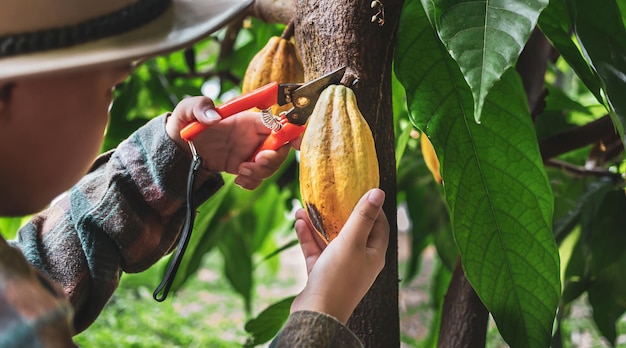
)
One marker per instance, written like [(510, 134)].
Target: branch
[(582, 171), (600, 130), (228, 43), (531, 66), (272, 11)]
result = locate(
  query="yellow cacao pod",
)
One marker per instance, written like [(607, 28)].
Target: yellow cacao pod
[(338, 161), (276, 62), (430, 157)]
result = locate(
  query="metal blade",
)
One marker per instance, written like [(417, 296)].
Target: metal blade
[(305, 97)]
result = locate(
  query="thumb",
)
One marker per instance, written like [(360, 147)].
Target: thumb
[(205, 113), (363, 217)]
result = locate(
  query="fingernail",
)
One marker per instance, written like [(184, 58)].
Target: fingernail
[(245, 171), (212, 115), (262, 161), (376, 197)]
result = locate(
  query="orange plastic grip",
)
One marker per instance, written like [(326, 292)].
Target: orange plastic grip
[(275, 140), (262, 98)]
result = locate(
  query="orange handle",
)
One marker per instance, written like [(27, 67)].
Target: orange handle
[(262, 98), (275, 140)]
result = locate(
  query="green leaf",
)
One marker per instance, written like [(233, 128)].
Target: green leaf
[(280, 249), (485, 37), (600, 31), (600, 210), (267, 324), (402, 141), (496, 187), (555, 24), (575, 197), (608, 235), (237, 252), (420, 232), (586, 223), (402, 128), (607, 297)]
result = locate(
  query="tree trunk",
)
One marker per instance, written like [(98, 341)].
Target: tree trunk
[(332, 34), (464, 319)]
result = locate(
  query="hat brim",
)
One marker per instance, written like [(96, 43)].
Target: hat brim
[(182, 24)]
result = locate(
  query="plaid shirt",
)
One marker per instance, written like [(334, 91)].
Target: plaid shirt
[(123, 216)]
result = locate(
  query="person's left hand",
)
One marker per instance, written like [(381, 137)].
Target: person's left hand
[(341, 273), (227, 144)]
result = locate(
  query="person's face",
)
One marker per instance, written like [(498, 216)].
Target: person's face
[(50, 132)]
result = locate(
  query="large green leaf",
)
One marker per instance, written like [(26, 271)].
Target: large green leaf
[(600, 31), (496, 187), (484, 37)]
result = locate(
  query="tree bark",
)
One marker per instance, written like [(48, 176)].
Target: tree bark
[(332, 34), (464, 322)]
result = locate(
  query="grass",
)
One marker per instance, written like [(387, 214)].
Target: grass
[(205, 314), (208, 312)]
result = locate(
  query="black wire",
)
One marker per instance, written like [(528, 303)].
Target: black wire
[(172, 268)]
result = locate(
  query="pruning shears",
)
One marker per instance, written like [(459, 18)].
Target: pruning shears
[(285, 128), (290, 124)]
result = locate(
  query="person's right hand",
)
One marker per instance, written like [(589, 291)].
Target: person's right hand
[(341, 273), (226, 144)]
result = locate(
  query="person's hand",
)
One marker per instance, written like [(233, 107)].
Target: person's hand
[(226, 144), (341, 273)]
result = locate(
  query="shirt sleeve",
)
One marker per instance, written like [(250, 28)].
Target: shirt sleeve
[(33, 311), (123, 216), (309, 329)]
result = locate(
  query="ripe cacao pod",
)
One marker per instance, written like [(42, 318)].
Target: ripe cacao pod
[(277, 62), (338, 161), (430, 157)]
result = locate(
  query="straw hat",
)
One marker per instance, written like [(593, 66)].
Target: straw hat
[(44, 36)]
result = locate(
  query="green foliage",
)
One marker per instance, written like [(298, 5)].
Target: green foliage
[(557, 28), (484, 37), (200, 316), (600, 31), (598, 256), (267, 324), (500, 209), (507, 212)]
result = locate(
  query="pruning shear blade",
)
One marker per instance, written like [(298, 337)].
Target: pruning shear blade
[(305, 97)]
